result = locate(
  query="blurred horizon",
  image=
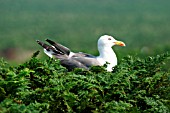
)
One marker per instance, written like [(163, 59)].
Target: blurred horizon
[(143, 25)]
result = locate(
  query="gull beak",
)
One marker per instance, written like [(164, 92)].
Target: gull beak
[(120, 43)]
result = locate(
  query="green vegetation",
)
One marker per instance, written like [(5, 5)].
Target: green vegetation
[(143, 25), (136, 85)]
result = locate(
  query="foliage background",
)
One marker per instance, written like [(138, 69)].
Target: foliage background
[(142, 25)]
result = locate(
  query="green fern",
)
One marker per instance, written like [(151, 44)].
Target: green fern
[(135, 85)]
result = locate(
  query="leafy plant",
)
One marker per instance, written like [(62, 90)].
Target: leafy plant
[(135, 85)]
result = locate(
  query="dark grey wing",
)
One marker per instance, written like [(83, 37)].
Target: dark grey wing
[(78, 60), (87, 61), (70, 64), (48, 47), (59, 47)]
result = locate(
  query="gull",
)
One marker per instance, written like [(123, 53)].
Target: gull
[(72, 60)]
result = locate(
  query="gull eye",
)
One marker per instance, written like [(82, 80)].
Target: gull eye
[(109, 39)]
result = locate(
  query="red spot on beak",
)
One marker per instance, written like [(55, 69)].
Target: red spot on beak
[(120, 43)]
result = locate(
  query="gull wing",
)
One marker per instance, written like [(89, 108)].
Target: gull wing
[(59, 47), (77, 60), (87, 61)]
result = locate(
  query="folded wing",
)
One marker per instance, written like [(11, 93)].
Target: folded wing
[(67, 58)]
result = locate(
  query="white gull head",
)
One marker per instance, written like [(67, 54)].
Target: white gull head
[(106, 53)]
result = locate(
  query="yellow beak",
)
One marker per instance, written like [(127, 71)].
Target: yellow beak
[(120, 43)]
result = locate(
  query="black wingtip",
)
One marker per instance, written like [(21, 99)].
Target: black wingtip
[(47, 39), (45, 46), (39, 42), (59, 47), (50, 41)]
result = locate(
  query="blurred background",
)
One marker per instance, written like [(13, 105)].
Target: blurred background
[(144, 25)]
